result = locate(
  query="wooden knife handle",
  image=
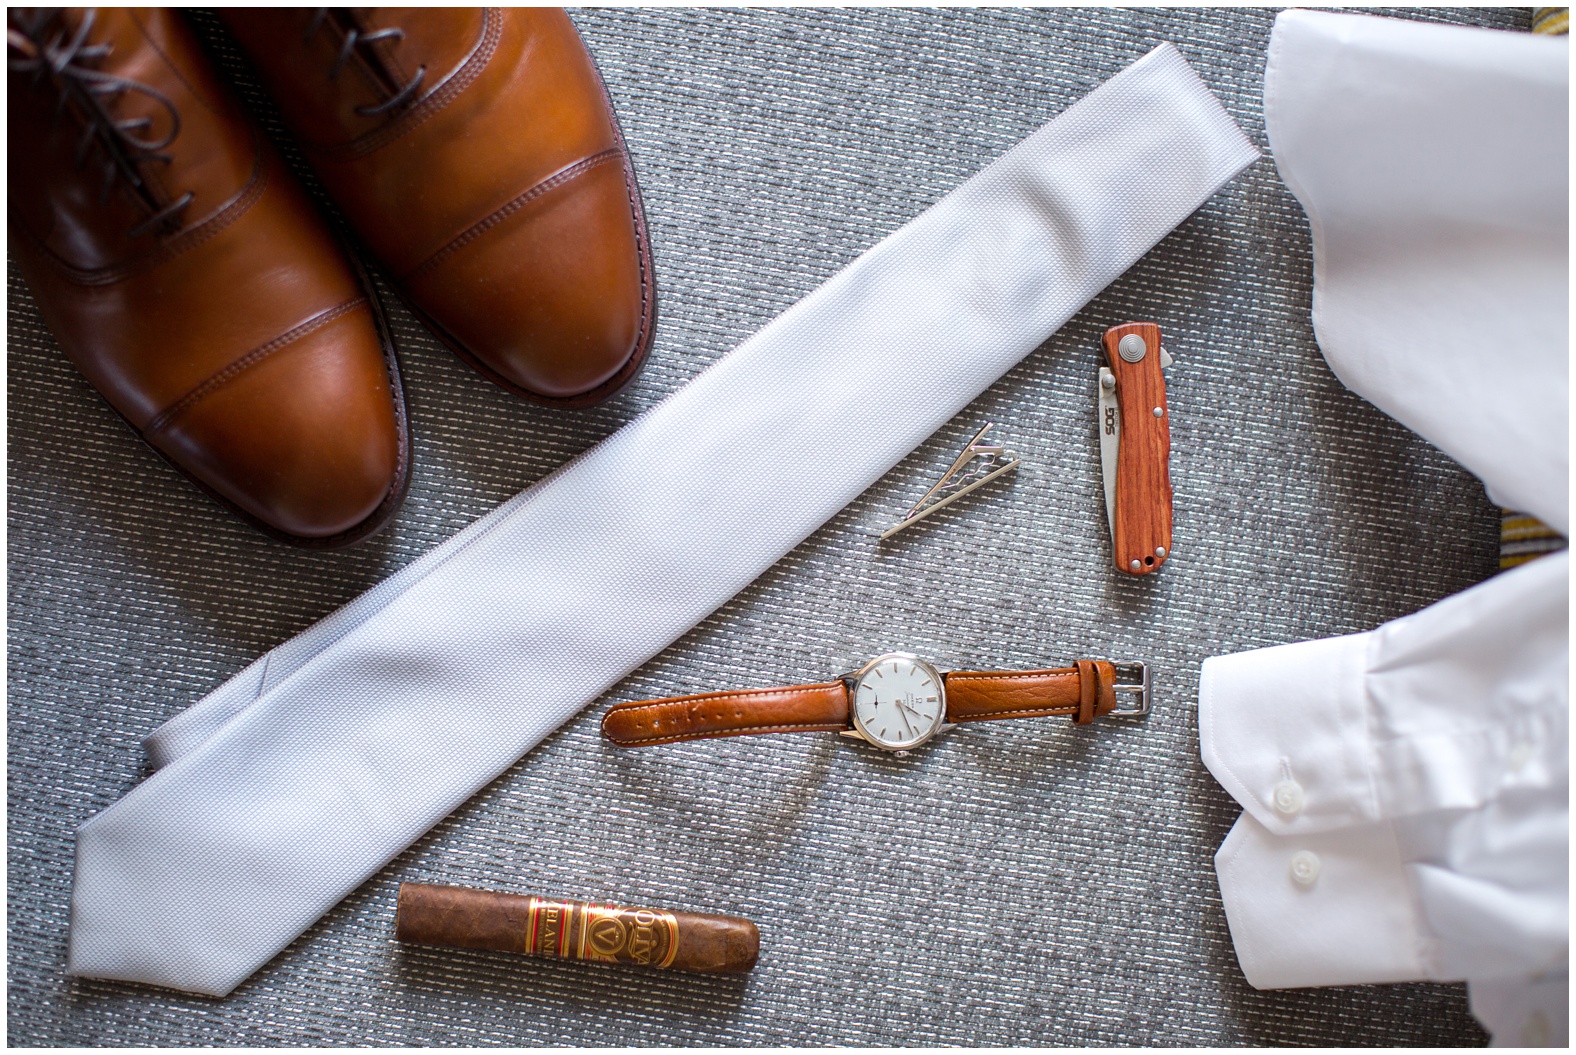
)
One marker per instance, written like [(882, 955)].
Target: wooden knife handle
[(1141, 540)]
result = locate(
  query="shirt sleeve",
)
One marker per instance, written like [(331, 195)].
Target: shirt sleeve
[(1405, 792), (1433, 164)]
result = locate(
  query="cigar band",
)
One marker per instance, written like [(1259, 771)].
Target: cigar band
[(576, 930)]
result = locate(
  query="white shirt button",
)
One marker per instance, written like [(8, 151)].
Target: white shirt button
[(1288, 798), (1304, 867)]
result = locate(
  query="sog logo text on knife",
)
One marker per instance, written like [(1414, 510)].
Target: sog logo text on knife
[(1135, 447)]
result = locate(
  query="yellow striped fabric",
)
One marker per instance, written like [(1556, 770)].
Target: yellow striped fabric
[(1551, 20), (1523, 538)]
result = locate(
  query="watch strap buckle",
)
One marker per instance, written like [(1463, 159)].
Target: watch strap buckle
[(1132, 678)]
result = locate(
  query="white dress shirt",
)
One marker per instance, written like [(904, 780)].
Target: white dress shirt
[(1406, 790)]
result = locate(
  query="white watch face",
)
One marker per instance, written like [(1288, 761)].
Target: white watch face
[(899, 701)]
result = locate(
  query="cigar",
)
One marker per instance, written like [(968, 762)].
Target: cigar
[(575, 930)]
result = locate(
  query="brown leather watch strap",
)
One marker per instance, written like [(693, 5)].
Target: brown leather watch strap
[(1081, 692), (746, 712)]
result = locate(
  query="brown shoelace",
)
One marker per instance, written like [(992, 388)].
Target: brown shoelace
[(41, 43), (352, 38)]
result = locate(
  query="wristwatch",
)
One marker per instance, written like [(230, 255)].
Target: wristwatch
[(897, 701)]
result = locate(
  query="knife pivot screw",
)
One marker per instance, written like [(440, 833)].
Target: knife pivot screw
[(1160, 412), (1136, 565), (1132, 348), (1160, 551)]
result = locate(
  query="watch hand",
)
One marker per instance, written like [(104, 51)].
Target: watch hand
[(906, 723)]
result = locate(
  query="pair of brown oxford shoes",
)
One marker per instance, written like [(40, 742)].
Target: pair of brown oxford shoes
[(474, 153)]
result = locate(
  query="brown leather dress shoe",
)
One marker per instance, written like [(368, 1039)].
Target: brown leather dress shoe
[(185, 274), (475, 152)]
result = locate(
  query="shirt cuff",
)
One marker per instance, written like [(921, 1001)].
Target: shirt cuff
[(1285, 730), (1320, 908)]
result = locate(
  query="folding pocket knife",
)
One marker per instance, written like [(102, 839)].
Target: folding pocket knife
[(1135, 447)]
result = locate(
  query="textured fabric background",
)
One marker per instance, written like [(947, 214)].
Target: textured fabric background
[(1016, 883)]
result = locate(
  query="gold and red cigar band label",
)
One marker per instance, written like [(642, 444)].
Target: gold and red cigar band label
[(576, 930)]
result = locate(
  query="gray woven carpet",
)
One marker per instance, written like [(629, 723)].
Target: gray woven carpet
[(1062, 891)]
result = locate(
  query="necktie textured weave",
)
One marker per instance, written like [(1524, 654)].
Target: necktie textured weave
[(300, 778)]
